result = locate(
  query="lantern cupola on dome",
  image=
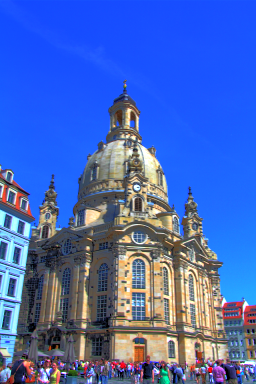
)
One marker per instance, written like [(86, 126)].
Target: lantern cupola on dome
[(124, 118)]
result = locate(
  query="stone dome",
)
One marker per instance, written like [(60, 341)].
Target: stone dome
[(111, 161)]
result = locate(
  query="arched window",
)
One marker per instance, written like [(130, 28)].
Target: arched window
[(65, 282), (138, 204), (94, 172), (40, 288), (132, 120), (166, 282), (118, 118), (45, 232), (171, 349), (191, 288), (176, 225), (103, 278), (67, 247), (138, 274), (160, 178)]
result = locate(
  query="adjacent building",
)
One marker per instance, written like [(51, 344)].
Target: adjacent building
[(250, 331), (122, 277), (15, 222), (233, 316)]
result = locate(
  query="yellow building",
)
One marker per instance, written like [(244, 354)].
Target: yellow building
[(121, 278)]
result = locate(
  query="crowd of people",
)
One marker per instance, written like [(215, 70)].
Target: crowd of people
[(99, 372)]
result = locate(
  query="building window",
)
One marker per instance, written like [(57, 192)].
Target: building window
[(191, 288), (251, 354), (138, 274), (166, 311), (1, 277), (176, 227), (171, 349), (64, 308), (96, 346), (231, 343), (23, 205), (65, 282), (9, 176), (67, 246), (139, 237), (249, 342), (11, 197), (240, 332), (103, 278), (7, 319), (1, 190), (81, 217), (21, 227), (37, 312), (138, 306), (254, 341), (47, 216), (236, 341), (247, 330), (241, 343), (160, 178), (94, 172), (193, 315), (16, 255), (45, 232), (101, 308), (8, 221), (103, 246), (166, 282), (191, 254), (3, 250), (11, 288), (243, 354), (40, 287), (138, 204)]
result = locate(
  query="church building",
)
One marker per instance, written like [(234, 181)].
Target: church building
[(121, 278)]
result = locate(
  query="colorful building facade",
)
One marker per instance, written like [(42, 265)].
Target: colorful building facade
[(15, 223), (121, 277), (233, 316), (250, 331)]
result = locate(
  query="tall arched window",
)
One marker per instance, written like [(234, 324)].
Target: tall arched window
[(166, 282), (45, 232), (138, 274), (191, 288), (65, 282), (176, 224), (103, 278), (40, 288), (94, 174), (138, 204), (171, 349)]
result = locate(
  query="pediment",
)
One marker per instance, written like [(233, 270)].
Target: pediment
[(193, 243)]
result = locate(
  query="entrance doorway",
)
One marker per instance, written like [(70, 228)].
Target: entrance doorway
[(138, 353)]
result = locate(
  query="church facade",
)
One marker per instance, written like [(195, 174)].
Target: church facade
[(121, 278)]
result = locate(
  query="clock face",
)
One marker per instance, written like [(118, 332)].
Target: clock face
[(136, 187)]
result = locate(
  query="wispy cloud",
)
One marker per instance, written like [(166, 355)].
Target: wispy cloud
[(29, 22)]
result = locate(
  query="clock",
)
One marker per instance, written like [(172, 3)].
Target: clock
[(136, 187)]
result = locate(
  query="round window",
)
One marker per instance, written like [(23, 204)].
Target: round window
[(139, 237), (66, 248), (194, 226), (47, 216)]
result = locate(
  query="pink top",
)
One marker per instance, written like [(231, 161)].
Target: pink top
[(218, 373)]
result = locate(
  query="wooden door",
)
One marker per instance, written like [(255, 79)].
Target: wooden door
[(138, 353)]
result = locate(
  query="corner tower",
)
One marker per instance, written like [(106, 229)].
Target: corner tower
[(48, 214)]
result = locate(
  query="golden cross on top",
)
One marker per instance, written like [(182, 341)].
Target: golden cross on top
[(125, 85)]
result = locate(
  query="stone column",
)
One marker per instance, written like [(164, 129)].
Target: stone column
[(44, 296), (74, 292), (50, 296), (82, 302)]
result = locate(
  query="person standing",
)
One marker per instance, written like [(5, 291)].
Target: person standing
[(55, 374), (210, 374), (104, 372), (164, 374), (203, 374), (4, 374), (19, 369), (89, 373), (218, 373), (44, 373), (179, 373), (147, 372), (230, 370)]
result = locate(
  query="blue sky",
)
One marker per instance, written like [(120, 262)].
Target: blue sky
[(189, 65)]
